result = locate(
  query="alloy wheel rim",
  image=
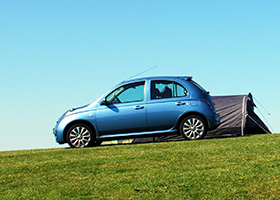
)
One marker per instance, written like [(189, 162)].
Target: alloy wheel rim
[(193, 128), (79, 136)]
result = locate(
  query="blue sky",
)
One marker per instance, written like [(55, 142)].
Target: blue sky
[(55, 55)]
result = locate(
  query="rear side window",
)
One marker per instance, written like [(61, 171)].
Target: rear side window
[(199, 87), (167, 89)]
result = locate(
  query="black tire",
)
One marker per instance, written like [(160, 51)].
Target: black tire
[(80, 136), (193, 128)]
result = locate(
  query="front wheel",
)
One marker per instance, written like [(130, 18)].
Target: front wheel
[(79, 136), (193, 128)]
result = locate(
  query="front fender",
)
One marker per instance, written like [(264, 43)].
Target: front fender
[(62, 125)]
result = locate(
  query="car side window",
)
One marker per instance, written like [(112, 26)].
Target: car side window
[(179, 90), (167, 89), (127, 93)]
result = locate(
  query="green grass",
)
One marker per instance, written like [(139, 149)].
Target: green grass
[(228, 168)]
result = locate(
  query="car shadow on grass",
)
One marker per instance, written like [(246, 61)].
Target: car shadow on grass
[(168, 138), (164, 138)]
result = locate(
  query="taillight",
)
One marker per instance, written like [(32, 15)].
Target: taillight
[(208, 103)]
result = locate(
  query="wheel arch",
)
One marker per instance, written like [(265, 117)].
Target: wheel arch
[(182, 117), (78, 122)]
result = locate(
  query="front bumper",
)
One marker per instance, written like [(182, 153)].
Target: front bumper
[(58, 133)]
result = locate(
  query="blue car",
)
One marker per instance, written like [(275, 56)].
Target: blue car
[(140, 108)]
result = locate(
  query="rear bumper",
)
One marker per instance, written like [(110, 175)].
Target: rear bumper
[(215, 122)]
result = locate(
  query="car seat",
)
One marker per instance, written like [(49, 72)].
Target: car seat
[(167, 93)]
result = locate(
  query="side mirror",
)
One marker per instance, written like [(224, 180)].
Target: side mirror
[(104, 102)]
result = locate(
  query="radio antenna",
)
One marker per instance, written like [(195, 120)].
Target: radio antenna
[(142, 72)]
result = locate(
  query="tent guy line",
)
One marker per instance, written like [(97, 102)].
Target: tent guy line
[(268, 113)]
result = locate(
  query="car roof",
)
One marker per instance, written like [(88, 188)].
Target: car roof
[(156, 78)]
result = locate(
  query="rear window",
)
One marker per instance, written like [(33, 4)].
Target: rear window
[(199, 87)]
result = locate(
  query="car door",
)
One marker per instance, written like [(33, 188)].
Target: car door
[(168, 100), (124, 110)]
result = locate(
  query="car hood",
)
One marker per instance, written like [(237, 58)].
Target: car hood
[(77, 109), (73, 111)]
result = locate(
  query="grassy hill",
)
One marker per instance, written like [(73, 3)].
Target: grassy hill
[(229, 168)]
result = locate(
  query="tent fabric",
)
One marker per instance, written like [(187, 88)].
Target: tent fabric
[(237, 118)]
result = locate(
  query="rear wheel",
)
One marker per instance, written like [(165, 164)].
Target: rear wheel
[(193, 128), (79, 136)]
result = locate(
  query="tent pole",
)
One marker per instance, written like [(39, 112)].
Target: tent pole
[(244, 115)]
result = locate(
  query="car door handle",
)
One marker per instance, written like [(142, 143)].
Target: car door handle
[(180, 103), (138, 107)]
